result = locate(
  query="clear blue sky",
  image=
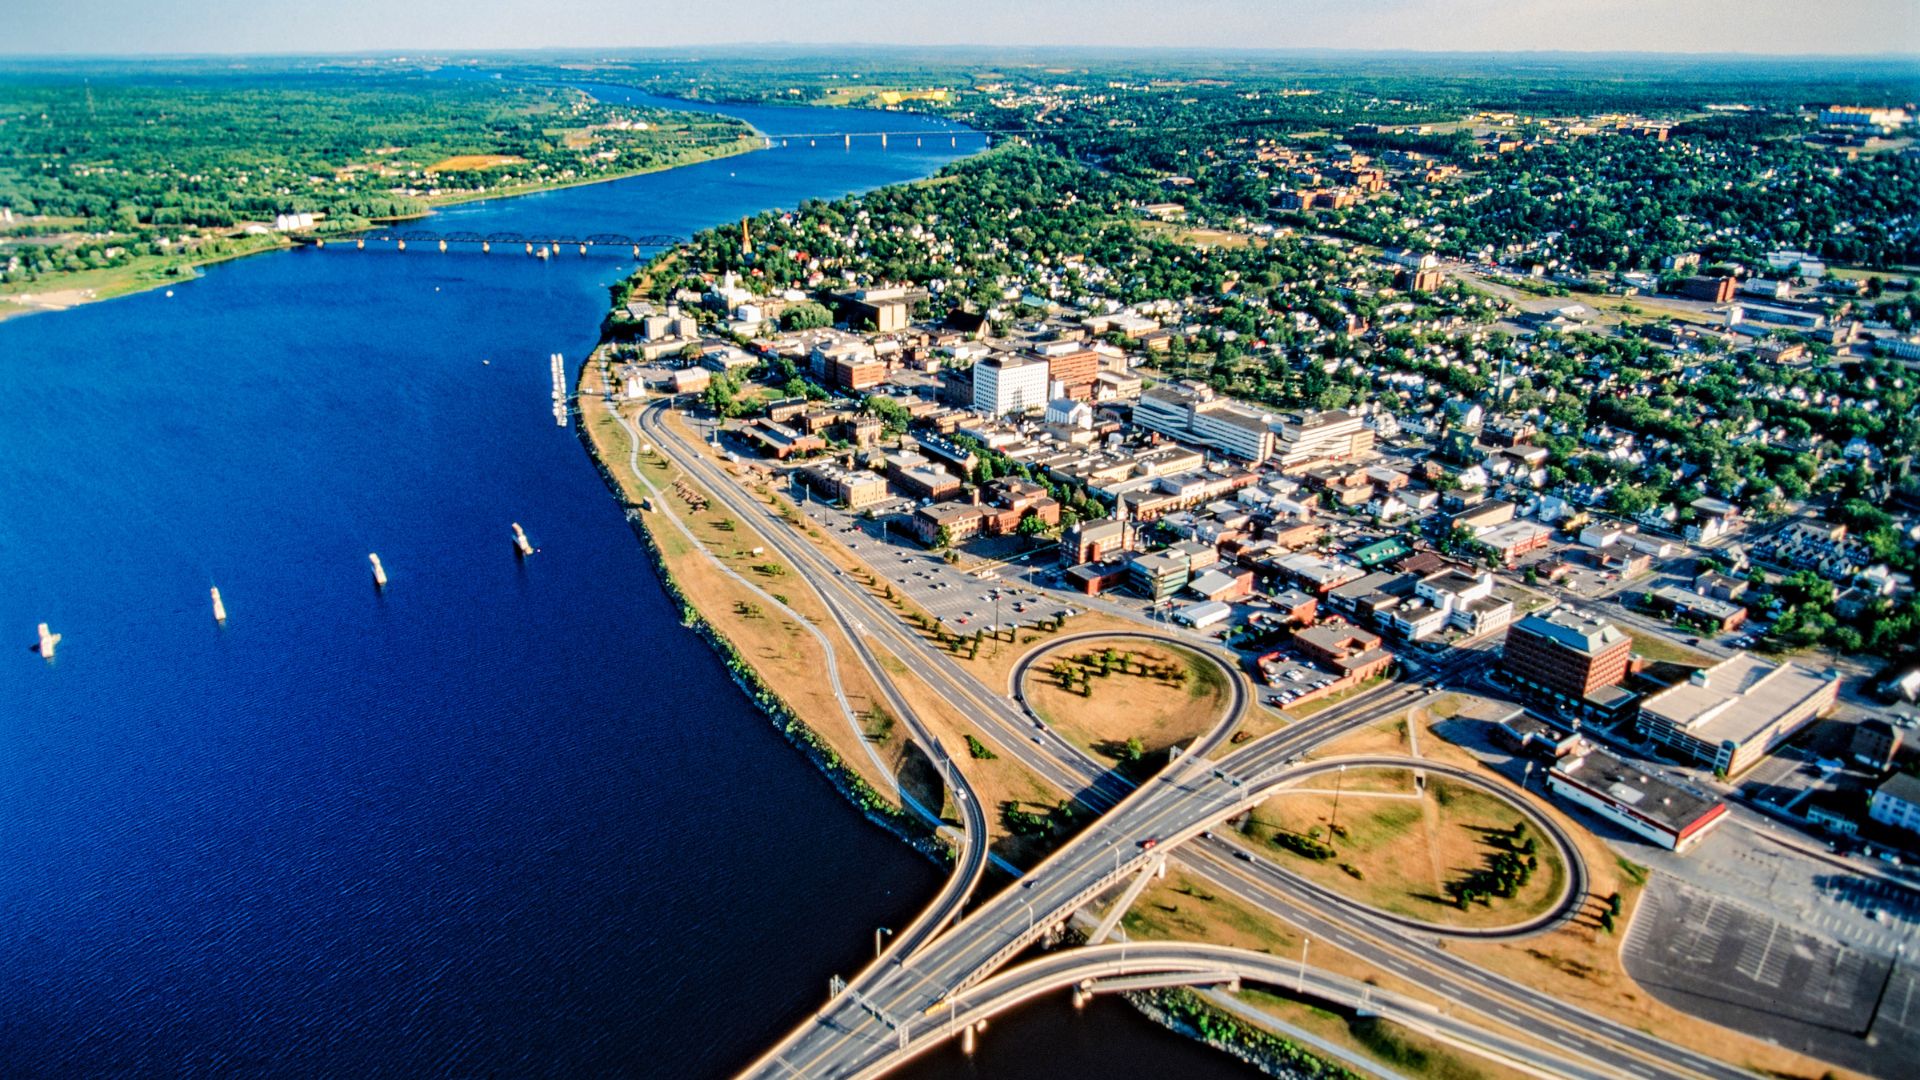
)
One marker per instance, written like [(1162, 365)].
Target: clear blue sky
[(230, 26)]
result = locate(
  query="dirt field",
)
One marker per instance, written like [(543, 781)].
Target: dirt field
[(469, 162), (1159, 694)]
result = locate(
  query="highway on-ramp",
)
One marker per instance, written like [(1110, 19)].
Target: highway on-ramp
[(1178, 803), (974, 848), (1095, 967)]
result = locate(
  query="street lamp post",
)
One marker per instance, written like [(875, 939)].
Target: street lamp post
[(877, 931), (1300, 985)]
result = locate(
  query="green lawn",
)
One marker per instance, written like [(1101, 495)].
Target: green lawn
[(1658, 647)]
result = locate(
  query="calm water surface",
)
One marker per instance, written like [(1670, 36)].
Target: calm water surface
[(504, 818)]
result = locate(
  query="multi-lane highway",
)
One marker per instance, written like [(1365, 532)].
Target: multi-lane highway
[(974, 850), (878, 1006), (1186, 797)]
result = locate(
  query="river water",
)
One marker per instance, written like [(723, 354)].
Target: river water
[(504, 818)]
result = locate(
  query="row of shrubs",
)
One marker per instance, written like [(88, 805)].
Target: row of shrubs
[(1303, 845)]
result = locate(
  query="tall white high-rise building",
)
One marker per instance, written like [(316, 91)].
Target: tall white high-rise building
[(1005, 383)]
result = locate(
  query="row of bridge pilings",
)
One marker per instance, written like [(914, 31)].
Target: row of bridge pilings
[(538, 251)]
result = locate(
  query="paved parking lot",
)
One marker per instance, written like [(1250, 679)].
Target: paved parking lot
[(1892, 910), (1743, 968), (957, 597), (1775, 775), (1740, 862), (1793, 774)]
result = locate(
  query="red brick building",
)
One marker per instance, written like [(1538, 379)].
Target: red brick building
[(1075, 370), (858, 373), (1097, 541), (1713, 290), (1353, 652), (960, 521), (1013, 500), (1570, 657), (1421, 281), (1008, 502)]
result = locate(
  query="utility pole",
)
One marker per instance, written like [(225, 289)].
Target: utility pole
[(1334, 818)]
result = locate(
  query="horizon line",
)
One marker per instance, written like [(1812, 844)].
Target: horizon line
[(423, 52)]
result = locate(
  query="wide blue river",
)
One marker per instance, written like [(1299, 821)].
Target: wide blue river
[(505, 818)]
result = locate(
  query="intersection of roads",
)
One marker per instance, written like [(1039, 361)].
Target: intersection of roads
[(950, 969)]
